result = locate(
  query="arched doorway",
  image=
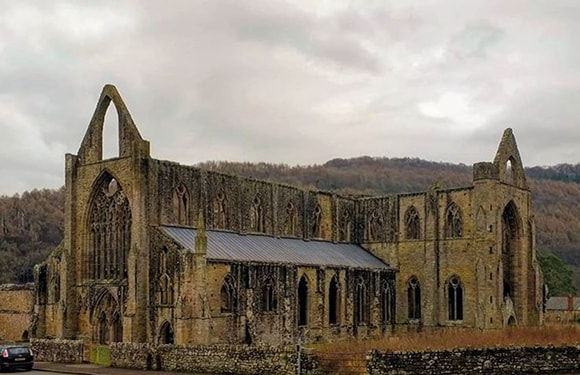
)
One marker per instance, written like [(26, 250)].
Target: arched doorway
[(106, 319), (509, 249), (166, 334)]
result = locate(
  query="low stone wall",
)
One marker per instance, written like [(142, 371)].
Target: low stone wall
[(219, 359), (16, 305), (543, 360), (64, 351)]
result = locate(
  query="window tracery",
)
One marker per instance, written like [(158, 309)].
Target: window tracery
[(257, 215), (290, 225), (386, 303), (220, 210), (412, 224), (269, 300), (453, 222), (361, 315), (317, 222), (181, 204), (345, 226), (414, 298), (110, 232), (228, 295), (455, 299)]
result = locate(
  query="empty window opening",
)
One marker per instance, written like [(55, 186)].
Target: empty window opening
[(228, 295), (166, 334), (303, 301), (412, 224), (333, 301), (386, 303), (111, 133)]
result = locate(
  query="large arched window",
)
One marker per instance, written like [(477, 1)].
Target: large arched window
[(414, 298), (333, 300), (453, 221), (290, 221), (269, 300), (316, 223), (303, 301), (412, 224), (257, 222), (361, 307), (110, 231), (455, 298), (386, 303), (509, 248), (228, 295), (220, 210)]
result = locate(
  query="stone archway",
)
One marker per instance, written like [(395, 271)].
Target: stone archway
[(106, 319)]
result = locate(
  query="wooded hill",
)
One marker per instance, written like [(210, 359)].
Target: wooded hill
[(31, 225)]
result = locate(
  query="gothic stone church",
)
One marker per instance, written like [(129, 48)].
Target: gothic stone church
[(159, 252)]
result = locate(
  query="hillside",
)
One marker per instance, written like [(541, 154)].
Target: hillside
[(31, 224)]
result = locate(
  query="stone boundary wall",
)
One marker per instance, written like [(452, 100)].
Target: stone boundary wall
[(219, 359), (524, 360), (63, 351)]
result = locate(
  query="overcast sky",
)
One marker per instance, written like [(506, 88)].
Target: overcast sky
[(296, 82)]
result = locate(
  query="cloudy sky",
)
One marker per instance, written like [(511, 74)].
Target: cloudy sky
[(298, 82)]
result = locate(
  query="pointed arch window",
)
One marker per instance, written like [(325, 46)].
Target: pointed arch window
[(220, 210), (166, 334), (269, 300), (228, 295), (166, 290), (414, 299), (386, 303), (317, 222), (290, 225), (303, 301), (181, 204), (412, 224), (333, 300), (455, 298), (361, 315), (453, 221), (345, 226), (257, 215), (117, 328), (110, 231)]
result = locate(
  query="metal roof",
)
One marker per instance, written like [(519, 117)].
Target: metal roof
[(261, 248)]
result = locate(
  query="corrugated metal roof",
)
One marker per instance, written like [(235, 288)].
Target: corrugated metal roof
[(561, 303), (257, 248)]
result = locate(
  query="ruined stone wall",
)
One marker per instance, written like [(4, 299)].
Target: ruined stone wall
[(63, 351), (544, 360), (16, 306), (562, 317), (250, 206), (218, 359)]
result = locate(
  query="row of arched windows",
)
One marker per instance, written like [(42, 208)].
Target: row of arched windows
[(453, 223), (454, 299), (269, 300)]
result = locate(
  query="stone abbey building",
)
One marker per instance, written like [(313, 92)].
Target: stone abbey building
[(159, 252)]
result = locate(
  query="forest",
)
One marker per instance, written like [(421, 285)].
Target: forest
[(31, 224)]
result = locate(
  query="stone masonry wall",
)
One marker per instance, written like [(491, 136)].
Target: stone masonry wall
[(525, 360), (219, 359), (16, 304), (63, 351)]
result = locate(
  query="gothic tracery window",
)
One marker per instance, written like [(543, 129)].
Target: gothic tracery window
[(228, 295), (386, 303), (269, 300), (290, 227), (412, 224), (317, 222), (414, 299), (257, 215), (361, 313), (110, 231), (181, 204), (453, 221), (455, 299), (220, 210), (345, 226)]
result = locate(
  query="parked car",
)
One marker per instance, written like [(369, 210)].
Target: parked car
[(16, 356)]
